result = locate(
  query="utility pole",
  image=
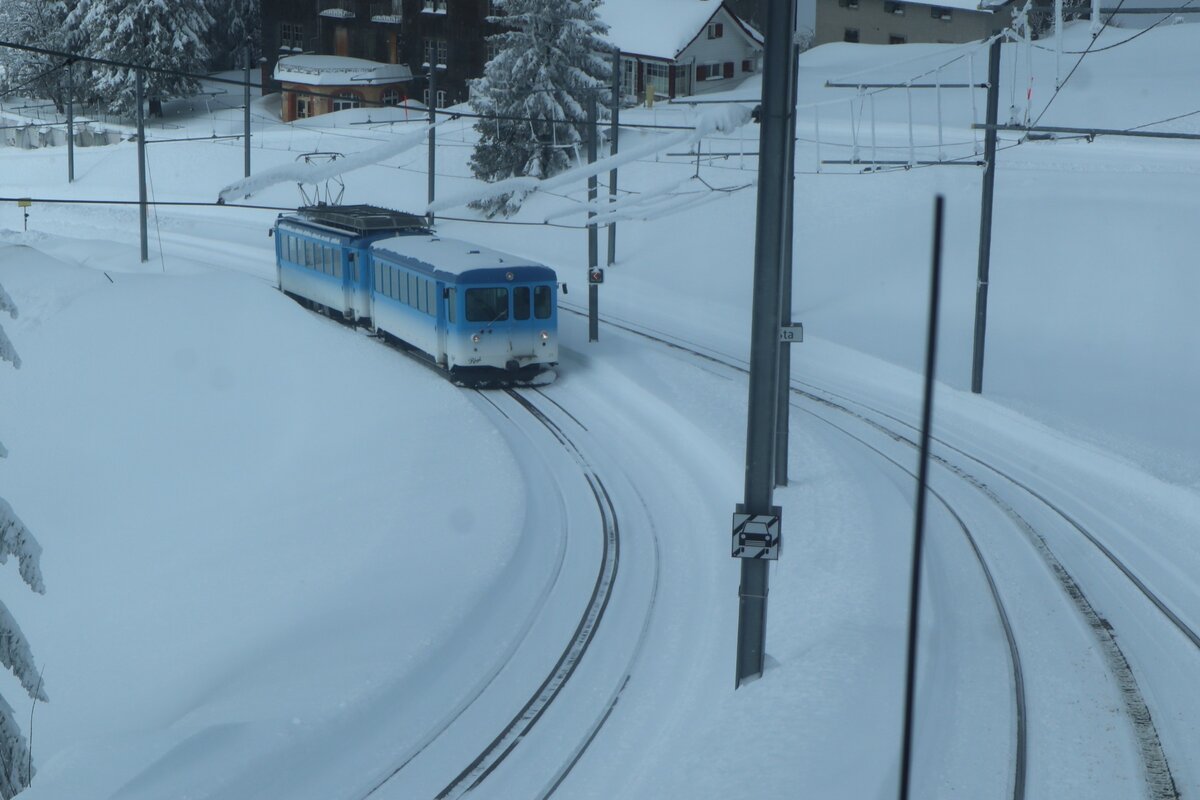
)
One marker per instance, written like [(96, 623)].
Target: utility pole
[(612, 150), (1058, 43), (141, 152), (70, 121), (246, 116), (783, 421), (985, 217), (756, 522), (432, 130), (595, 274)]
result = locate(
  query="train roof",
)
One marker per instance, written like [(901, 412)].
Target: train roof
[(455, 259), (361, 219)]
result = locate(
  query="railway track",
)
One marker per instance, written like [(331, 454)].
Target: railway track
[(520, 408), (843, 413)]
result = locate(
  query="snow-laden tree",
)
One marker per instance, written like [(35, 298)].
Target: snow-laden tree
[(165, 35), (239, 35), (16, 769), (40, 23), (533, 94)]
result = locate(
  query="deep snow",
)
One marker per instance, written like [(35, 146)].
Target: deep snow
[(251, 594)]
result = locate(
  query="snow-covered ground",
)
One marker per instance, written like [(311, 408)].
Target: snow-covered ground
[(278, 555)]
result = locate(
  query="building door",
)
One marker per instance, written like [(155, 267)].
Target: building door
[(303, 107), (341, 41), (393, 55)]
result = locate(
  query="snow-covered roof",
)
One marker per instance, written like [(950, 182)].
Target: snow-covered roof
[(452, 256), (313, 70), (660, 28)]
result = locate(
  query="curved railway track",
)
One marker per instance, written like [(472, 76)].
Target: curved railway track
[(1158, 777)]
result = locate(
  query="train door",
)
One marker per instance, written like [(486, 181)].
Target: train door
[(445, 317), (350, 283), (522, 341)]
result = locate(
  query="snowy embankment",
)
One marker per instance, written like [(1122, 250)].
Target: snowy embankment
[(245, 509)]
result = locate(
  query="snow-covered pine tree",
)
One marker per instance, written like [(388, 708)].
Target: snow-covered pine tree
[(16, 769), (166, 35), (238, 35), (41, 23), (549, 61)]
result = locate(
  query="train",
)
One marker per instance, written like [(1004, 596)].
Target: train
[(481, 316)]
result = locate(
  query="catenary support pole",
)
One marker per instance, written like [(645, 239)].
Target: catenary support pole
[(432, 132), (593, 243), (985, 217), (70, 122), (914, 598), (783, 420), (612, 150), (764, 333), (246, 115), (1058, 43), (141, 157)]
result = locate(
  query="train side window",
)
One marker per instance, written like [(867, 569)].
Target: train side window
[(543, 301), (379, 278), (412, 290), (431, 298), (521, 302), (293, 256), (451, 311), (422, 300)]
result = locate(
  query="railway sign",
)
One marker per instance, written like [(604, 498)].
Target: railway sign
[(791, 332), (596, 275), (757, 535)]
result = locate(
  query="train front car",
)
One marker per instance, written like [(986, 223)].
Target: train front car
[(496, 315)]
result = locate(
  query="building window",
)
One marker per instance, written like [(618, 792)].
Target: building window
[(434, 6), (848, 3), (441, 98), (709, 72), (894, 8), (895, 39), (303, 108), (435, 47), (291, 35), (628, 77), (851, 35), (656, 78), (391, 97), (345, 100), (715, 30), (937, 12)]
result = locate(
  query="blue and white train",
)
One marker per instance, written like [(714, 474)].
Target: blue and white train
[(480, 315)]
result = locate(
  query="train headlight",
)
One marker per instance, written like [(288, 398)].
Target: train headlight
[(475, 338), (545, 336)]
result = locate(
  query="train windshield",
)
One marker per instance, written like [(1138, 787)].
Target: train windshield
[(487, 305), (543, 301)]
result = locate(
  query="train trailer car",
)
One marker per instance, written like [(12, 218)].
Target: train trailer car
[(480, 314), (322, 254)]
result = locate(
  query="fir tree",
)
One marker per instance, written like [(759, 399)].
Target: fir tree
[(547, 65), (166, 35), (239, 34), (16, 769), (41, 23)]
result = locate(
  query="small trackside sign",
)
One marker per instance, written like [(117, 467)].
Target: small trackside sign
[(791, 332), (756, 535)]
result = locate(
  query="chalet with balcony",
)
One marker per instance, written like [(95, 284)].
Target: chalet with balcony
[(900, 22)]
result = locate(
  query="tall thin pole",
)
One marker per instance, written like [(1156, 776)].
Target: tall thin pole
[(246, 113), (141, 152), (764, 334), (1058, 43), (612, 145), (70, 122), (432, 130), (783, 419), (914, 597), (985, 217), (593, 243)]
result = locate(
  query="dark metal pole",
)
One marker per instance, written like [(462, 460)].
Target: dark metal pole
[(914, 598), (783, 415), (593, 243), (764, 335), (246, 114), (612, 144), (70, 122), (432, 130), (985, 217), (141, 152)]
